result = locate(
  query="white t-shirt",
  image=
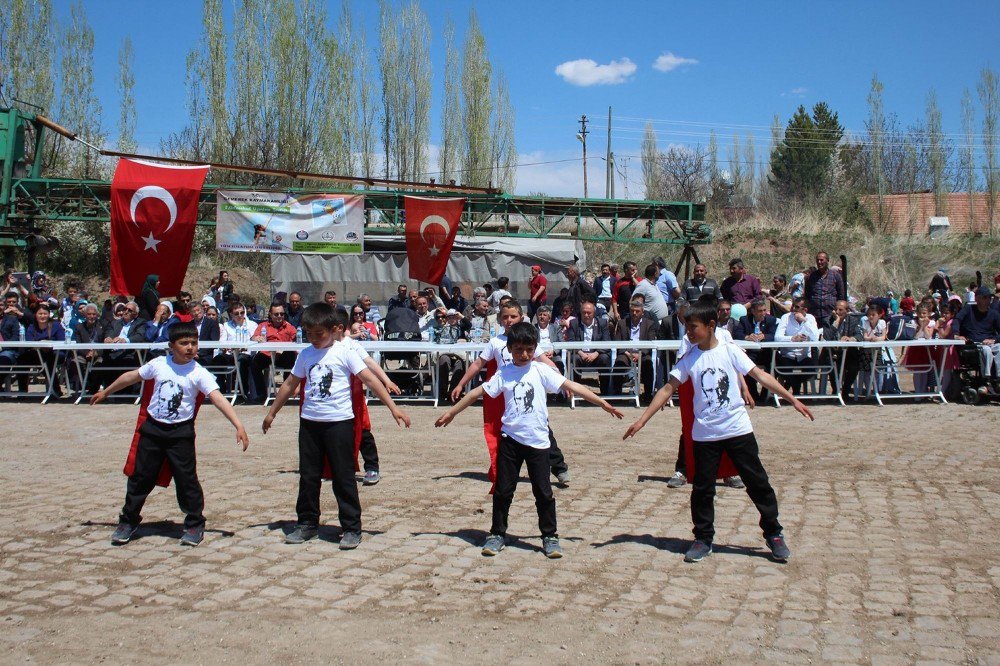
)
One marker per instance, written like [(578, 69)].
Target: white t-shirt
[(355, 346), (326, 375), (719, 410), (721, 334), (176, 388), (525, 414), (496, 349)]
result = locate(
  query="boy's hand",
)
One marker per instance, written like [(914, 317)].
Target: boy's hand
[(745, 394), (268, 420), (98, 397), (401, 418), (633, 430), (456, 394), (392, 388), (242, 438), (444, 419), (611, 410), (803, 410)]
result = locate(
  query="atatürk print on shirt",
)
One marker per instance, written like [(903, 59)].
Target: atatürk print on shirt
[(715, 386), (168, 399), (320, 382), (524, 397)]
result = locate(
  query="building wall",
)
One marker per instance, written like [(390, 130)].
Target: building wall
[(911, 213)]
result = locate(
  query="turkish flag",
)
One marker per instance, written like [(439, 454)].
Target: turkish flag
[(154, 208), (431, 227)]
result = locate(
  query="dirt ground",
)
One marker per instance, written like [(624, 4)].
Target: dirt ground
[(891, 513)]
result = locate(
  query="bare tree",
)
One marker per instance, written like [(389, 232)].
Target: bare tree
[(504, 150), (967, 159), (684, 173), (990, 100)]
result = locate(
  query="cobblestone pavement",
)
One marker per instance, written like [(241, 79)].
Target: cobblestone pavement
[(891, 513)]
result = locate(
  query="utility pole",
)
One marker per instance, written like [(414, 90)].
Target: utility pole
[(609, 184), (582, 136), (611, 175)]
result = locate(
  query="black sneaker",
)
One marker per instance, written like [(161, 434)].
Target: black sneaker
[(551, 547), (779, 549), (123, 534), (494, 544), (193, 536), (698, 551), (301, 534), (734, 482), (350, 540)]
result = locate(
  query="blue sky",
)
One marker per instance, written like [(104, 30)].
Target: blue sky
[(750, 61)]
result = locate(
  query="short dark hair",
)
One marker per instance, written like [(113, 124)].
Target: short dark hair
[(233, 307), (503, 282), (708, 299), (736, 262), (182, 330), (627, 264), (511, 304), (183, 294), (522, 334), (608, 266), (702, 313), (321, 314), (651, 271)]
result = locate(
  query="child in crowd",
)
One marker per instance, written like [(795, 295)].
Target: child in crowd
[(721, 425), (496, 352), (525, 433), (327, 422), (174, 388)]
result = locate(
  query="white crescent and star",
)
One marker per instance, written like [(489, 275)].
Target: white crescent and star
[(431, 220), (153, 192)]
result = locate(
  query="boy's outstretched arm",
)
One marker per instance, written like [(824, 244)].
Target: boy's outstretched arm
[(659, 400), (473, 370), (382, 377), (591, 397), (368, 378), (773, 385), (124, 379), (467, 400), (227, 410), (284, 393)]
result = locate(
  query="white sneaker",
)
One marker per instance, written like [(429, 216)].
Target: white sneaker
[(677, 480)]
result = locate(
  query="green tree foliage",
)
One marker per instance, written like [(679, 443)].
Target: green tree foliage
[(450, 154), (801, 163), (126, 89), (650, 156), (477, 107), (989, 96)]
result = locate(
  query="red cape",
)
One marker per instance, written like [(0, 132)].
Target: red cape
[(165, 472), (686, 395), (492, 422), (362, 422)]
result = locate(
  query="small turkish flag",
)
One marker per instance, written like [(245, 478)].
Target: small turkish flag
[(431, 227), (154, 208)]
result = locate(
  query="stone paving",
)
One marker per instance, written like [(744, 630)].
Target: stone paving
[(891, 513)]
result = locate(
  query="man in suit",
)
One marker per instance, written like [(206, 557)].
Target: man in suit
[(758, 326), (588, 328), (208, 331), (130, 328), (635, 326), (580, 290)]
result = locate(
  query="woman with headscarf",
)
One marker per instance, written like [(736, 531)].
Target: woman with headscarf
[(149, 297)]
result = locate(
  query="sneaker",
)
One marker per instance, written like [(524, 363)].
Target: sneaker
[(350, 540), (123, 534), (193, 536), (551, 548), (563, 478), (677, 480), (494, 544), (779, 549), (372, 477), (698, 551), (734, 482), (302, 533)]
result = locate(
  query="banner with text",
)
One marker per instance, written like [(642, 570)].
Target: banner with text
[(248, 221)]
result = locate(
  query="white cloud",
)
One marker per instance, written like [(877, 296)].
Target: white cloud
[(668, 62), (586, 72), (796, 92)]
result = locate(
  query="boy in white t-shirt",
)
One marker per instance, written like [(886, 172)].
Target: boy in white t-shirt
[(524, 435), (721, 425), (327, 422), (164, 440)]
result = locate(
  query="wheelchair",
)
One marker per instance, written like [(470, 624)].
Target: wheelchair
[(974, 385)]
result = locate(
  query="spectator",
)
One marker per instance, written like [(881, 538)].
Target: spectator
[(451, 367), (893, 301), (579, 291), (223, 290), (372, 314), (564, 319), (183, 298), (980, 323), (941, 284), (823, 289), (130, 329), (725, 320), (16, 318), (845, 326), (652, 299), (548, 333), (757, 326), (970, 294), (330, 298), (946, 331), (499, 292), (537, 288), (740, 286), (454, 300), (208, 331), (275, 329), (294, 308), (920, 359), (68, 304), (636, 326), (212, 312), (561, 300), (873, 329), (41, 290), (908, 305), (362, 329), (238, 329), (797, 286), (207, 302), (796, 326), (666, 282), (400, 300), (425, 319), (43, 329), (700, 284), (482, 323), (604, 286), (163, 314), (590, 329), (414, 294), (622, 293), (778, 296), (89, 331), (434, 302), (477, 294)]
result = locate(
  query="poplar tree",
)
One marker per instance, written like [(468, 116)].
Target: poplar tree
[(126, 90), (936, 155), (477, 107), (876, 137), (988, 97), (650, 156), (450, 154), (79, 108), (967, 156), (504, 150)]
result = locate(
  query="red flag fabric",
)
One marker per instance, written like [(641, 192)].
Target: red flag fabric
[(685, 394), (154, 208), (163, 479), (431, 227), (492, 423)]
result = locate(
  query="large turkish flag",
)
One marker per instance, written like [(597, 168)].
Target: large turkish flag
[(431, 227), (154, 208)]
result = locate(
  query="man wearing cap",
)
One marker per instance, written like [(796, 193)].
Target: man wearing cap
[(980, 323), (536, 288)]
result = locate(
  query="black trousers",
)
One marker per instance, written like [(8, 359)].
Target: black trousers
[(332, 441), (795, 380), (681, 464), (603, 360), (260, 364), (852, 365), (557, 462), (369, 452), (173, 442), (645, 374), (743, 452), (511, 454)]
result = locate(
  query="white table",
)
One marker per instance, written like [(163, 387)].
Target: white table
[(31, 368)]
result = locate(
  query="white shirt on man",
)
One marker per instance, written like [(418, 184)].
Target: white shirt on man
[(525, 414), (721, 334), (176, 388), (326, 375), (789, 327), (719, 410)]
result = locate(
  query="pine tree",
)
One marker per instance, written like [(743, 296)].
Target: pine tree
[(802, 161)]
